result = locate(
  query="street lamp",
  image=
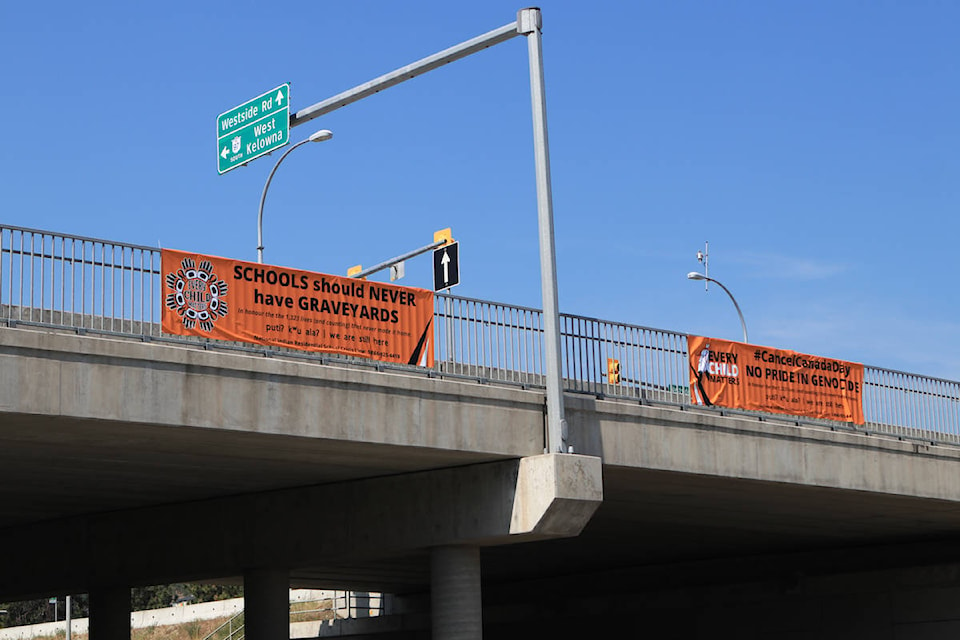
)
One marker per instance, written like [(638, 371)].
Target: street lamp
[(693, 275), (319, 136)]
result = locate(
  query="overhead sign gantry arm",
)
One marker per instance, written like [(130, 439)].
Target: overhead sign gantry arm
[(440, 238), (504, 33)]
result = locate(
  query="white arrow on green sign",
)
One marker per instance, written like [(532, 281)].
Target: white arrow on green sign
[(253, 128)]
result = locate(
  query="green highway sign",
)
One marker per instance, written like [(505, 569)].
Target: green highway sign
[(253, 128)]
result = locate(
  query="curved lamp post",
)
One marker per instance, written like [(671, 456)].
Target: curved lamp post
[(693, 275), (319, 136)]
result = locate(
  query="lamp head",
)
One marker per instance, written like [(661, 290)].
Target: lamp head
[(320, 136), (693, 275)]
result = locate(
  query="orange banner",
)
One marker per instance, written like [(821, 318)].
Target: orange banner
[(262, 304), (744, 376)]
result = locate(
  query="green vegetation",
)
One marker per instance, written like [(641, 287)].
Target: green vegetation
[(156, 597), (36, 611), (312, 611), (193, 630)]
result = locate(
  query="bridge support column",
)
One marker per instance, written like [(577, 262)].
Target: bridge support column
[(455, 601), (110, 613), (266, 604)]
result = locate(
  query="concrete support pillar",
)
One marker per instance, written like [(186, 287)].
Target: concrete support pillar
[(110, 613), (362, 604), (266, 604), (455, 601)]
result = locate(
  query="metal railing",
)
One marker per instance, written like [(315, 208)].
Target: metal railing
[(232, 629), (340, 605), (79, 282), (95, 285)]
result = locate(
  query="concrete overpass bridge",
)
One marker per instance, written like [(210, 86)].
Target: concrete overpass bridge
[(128, 459)]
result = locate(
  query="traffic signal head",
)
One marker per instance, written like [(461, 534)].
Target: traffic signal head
[(443, 234), (613, 371)]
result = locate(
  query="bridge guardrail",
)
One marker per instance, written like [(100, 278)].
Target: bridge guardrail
[(61, 280)]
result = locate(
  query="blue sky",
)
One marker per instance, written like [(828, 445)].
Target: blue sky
[(815, 145)]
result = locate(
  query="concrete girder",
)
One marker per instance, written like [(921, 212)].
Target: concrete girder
[(540, 497)]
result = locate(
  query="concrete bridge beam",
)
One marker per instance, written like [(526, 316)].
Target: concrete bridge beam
[(537, 498)]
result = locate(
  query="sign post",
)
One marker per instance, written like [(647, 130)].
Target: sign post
[(253, 129)]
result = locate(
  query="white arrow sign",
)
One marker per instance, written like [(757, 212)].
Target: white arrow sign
[(225, 152), (280, 98), (445, 261)]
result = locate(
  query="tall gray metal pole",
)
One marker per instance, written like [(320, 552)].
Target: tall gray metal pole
[(263, 197), (529, 23), (319, 136), (743, 323), (693, 275)]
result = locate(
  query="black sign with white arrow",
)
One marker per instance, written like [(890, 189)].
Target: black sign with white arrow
[(446, 266)]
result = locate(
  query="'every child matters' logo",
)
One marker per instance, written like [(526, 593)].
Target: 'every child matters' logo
[(199, 296)]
